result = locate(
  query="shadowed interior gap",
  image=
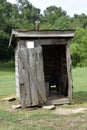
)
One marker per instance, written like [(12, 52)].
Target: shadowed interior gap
[(55, 69)]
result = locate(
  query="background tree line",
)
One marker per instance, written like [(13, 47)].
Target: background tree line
[(23, 15)]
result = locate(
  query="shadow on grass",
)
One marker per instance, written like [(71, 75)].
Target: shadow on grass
[(80, 97)]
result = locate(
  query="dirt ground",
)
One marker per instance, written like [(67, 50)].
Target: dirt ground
[(65, 111)]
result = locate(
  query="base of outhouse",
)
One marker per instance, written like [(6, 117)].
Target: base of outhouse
[(55, 100)]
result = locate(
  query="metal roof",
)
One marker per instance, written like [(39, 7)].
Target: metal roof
[(30, 34)]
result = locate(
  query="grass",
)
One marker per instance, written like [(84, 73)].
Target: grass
[(40, 119), (80, 85), (7, 83)]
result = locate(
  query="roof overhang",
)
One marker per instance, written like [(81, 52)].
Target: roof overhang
[(42, 34)]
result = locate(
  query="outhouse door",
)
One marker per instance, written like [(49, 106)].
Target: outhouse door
[(31, 77)]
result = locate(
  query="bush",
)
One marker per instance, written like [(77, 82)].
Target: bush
[(7, 64)]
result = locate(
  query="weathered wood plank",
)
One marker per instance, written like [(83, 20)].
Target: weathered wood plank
[(49, 42), (29, 69), (34, 94), (57, 100), (68, 59), (39, 70), (50, 34), (27, 83), (17, 73), (22, 84)]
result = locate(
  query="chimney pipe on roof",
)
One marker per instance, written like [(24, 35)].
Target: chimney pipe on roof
[(37, 25)]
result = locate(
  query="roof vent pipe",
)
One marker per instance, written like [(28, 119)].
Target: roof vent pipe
[(37, 25)]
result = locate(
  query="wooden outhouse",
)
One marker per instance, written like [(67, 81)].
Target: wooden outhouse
[(43, 66)]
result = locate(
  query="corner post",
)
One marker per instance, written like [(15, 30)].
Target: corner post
[(69, 71)]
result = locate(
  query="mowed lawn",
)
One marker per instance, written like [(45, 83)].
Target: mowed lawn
[(80, 85), (38, 118), (7, 83)]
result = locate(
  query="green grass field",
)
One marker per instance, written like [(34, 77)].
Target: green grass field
[(80, 85), (7, 83), (38, 118)]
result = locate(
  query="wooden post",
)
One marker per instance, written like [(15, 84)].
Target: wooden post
[(68, 60), (37, 24)]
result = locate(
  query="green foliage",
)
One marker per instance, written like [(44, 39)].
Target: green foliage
[(6, 65), (27, 14), (24, 14), (62, 23), (79, 21), (79, 48), (12, 16), (52, 15)]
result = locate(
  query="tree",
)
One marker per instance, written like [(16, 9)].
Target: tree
[(28, 14), (79, 21), (55, 18), (62, 23), (13, 16), (24, 14), (52, 13), (79, 48), (5, 29)]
